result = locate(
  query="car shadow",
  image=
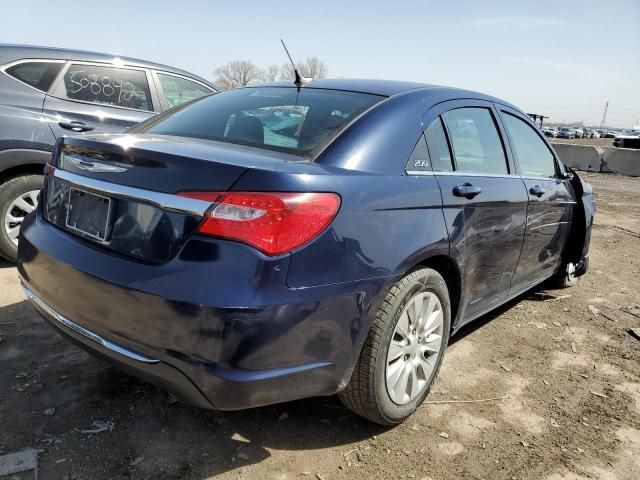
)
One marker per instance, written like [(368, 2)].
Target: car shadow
[(537, 293), (6, 264)]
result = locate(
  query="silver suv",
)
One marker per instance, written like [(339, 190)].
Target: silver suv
[(46, 93)]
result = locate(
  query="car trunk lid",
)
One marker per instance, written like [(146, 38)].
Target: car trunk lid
[(120, 191)]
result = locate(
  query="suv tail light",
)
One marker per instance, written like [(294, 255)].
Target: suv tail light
[(273, 222)]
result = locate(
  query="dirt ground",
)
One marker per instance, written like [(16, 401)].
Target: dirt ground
[(561, 366)]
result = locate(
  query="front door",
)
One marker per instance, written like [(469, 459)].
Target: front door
[(90, 98), (484, 201), (551, 201)]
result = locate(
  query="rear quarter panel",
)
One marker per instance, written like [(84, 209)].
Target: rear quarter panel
[(386, 224)]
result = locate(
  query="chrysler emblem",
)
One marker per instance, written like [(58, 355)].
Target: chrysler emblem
[(89, 166)]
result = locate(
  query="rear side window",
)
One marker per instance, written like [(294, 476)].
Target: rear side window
[(533, 155), (438, 147), (38, 75), (179, 90), (118, 87), (476, 144), (273, 118)]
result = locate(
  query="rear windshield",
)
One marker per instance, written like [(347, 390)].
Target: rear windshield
[(274, 118)]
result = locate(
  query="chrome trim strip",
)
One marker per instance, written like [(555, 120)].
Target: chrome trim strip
[(83, 331), (541, 178), (419, 172), (89, 166), (165, 201), (476, 174)]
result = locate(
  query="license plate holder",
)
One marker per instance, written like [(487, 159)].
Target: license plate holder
[(88, 214)]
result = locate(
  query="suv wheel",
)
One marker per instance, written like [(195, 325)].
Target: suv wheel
[(18, 197), (403, 352)]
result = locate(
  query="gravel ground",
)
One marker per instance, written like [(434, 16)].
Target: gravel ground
[(561, 366)]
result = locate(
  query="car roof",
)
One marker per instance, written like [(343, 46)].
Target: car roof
[(387, 88), (13, 52)]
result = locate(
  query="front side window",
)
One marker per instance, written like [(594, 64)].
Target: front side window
[(273, 118), (477, 147), (118, 87), (38, 75), (534, 157), (179, 90)]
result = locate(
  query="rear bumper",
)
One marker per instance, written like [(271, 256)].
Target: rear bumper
[(216, 326), (152, 370)]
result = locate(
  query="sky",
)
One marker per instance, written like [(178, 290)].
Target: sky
[(562, 58)]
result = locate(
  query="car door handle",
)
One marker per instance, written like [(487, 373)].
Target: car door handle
[(467, 190), (537, 190), (76, 126)]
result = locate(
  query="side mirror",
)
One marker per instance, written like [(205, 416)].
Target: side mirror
[(565, 173)]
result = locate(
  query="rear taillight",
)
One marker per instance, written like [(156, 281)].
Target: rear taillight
[(273, 222)]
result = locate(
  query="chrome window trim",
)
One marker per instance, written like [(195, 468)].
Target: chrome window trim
[(527, 177), (6, 66), (54, 315), (477, 174), (165, 201), (56, 84), (420, 172)]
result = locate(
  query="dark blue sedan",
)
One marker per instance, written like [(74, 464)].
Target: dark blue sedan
[(279, 242)]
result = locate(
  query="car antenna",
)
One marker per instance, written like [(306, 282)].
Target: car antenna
[(300, 80)]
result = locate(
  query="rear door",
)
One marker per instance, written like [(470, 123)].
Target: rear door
[(484, 201), (99, 98), (551, 200)]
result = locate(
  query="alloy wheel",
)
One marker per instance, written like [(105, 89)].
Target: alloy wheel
[(414, 348), (17, 210)]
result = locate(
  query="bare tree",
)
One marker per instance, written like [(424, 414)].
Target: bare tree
[(237, 73), (270, 74), (312, 67)]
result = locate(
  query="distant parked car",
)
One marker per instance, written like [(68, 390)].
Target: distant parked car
[(550, 132), (566, 132), (628, 140), (46, 93), (595, 134), (610, 134), (579, 132)]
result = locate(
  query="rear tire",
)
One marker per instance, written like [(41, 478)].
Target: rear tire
[(17, 199), (373, 391)]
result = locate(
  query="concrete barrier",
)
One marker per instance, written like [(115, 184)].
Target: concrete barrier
[(625, 161), (580, 157)]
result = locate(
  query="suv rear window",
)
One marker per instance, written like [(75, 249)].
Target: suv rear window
[(273, 118), (38, 75)]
